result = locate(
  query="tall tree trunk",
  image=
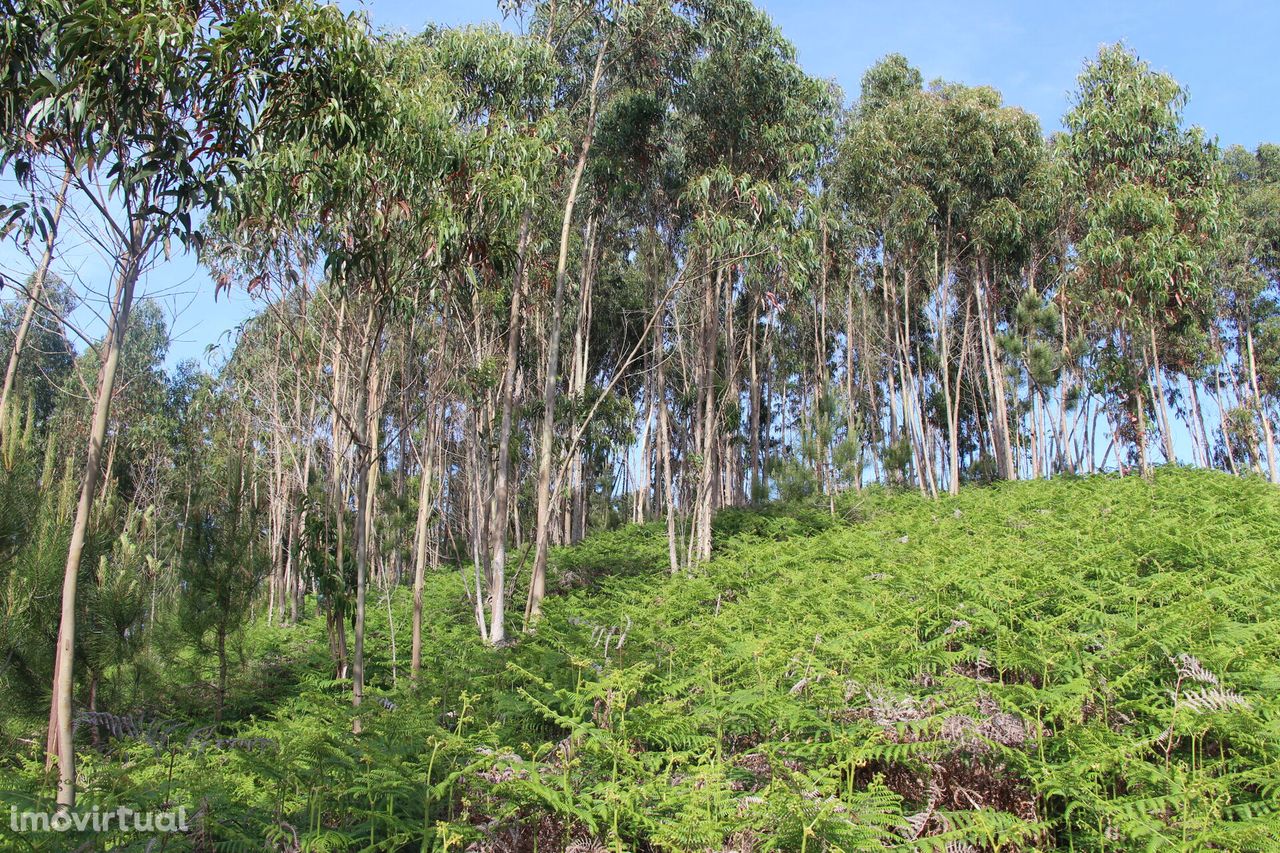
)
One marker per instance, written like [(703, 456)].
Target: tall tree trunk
[(538, 583), (951, 396), (421, 530), (60, 740), (1262, 411), (1222, 421), (732, 491), (754, 371), (368, 408), (1139, 410), (1197, 426), (501, 511), (645, 471), (953, 406), (1003, 446), (363, 453), (1157, 387), (578, 385), (477, 510), (664, 450), (709, 422)]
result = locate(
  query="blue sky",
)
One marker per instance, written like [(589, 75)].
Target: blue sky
[(1224, 53)]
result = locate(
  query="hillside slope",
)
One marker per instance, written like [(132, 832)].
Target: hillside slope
[(1086, 664), (1091, 662)]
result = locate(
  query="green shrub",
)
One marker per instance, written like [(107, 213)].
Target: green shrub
[(1083, 664)]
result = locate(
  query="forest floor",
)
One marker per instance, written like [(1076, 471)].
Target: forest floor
[(1088, 664)]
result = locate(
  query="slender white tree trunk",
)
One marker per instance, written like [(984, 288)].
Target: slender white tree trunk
[(542, 545), (1267, 434), (63, 679)]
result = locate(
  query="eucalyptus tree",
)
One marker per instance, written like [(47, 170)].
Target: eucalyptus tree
[(150, 107), (1150, 196), (1266, 362), (24, 57), (876, 190), (502, 85), (619, 63), (361, 208), (493, 86), (634, 180), (587, 30), (417, 216), (274, 391), (34, 294), (941, 177), (34, 328), (752, 127), (1251, 278), (1017, 260)]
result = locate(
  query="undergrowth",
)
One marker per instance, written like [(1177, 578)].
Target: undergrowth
[(1084, 664)]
